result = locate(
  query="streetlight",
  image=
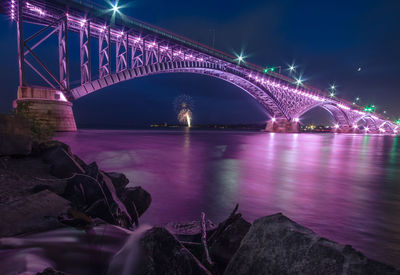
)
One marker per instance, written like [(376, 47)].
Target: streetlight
[(240, 58), (115, 7)]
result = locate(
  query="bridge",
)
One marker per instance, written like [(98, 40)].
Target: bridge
[(142, 49)]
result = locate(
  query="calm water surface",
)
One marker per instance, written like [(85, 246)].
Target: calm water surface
[(344, 187)]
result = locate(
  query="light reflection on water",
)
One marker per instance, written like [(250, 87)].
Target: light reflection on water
[(344, 187)]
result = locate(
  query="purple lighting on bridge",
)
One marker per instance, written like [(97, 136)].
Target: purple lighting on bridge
[(142, 53), (13, 6), (35, 9)]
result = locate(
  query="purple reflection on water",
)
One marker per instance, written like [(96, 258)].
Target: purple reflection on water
[(344, 187)]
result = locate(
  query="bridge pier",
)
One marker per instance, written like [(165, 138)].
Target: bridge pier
[(282, 125), (47, 106)]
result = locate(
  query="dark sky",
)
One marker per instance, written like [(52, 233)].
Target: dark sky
[(328, 40)]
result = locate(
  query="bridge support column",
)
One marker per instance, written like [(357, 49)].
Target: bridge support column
[(282, 125), (47, 106)]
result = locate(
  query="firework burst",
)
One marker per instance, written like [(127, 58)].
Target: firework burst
[(183, 107)]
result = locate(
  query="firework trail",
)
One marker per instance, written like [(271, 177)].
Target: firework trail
[(183, 106)]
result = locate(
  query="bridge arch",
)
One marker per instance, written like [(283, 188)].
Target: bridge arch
[(387, 126), (259, 92), (336, 112), (370, 122)]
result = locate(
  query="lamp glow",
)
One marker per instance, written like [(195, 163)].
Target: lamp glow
[(296, 119), (273, 119), (115, 7)]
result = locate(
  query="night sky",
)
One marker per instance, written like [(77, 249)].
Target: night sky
[(327, 40)]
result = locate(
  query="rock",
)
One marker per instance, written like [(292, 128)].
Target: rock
[(80, 162), (225, 244), (34, 213), (15, 135), (83, 191), (92, 170), (97, 198), (119, 180), (63, 165), (76, 219), (55, 187), (277, 245), (101, 209), (160, 253), (136, 200), (46, 147), (51, 271), (121, 215)]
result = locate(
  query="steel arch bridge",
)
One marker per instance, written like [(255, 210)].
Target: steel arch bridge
[(141, 50)]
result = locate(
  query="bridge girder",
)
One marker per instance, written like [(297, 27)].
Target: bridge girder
[(141, 49)]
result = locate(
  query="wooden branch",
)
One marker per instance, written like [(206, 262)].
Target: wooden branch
[(204, 238)]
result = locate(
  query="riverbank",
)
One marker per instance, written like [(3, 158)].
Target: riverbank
[(60, 212)]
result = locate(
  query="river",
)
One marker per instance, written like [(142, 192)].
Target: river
[(344, 187)]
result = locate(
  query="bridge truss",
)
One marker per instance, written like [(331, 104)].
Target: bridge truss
[(142, 49)]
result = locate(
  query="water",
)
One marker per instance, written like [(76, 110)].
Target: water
[(344, 187)]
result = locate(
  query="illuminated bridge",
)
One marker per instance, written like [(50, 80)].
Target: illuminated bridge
[(128, 48)]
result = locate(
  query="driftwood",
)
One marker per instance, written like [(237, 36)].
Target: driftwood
[(222, 226), (204, 238), (135, 219)]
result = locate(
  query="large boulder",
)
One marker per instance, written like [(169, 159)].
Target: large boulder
[(158, 252), (277, 245), (15, 135), (34, 213)]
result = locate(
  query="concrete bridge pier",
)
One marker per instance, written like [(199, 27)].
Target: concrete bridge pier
[(47, 106), (282, 125)]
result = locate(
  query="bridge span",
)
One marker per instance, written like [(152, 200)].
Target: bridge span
[(142, 49)]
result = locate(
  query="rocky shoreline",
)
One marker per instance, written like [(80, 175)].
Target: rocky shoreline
[(83, 212)]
